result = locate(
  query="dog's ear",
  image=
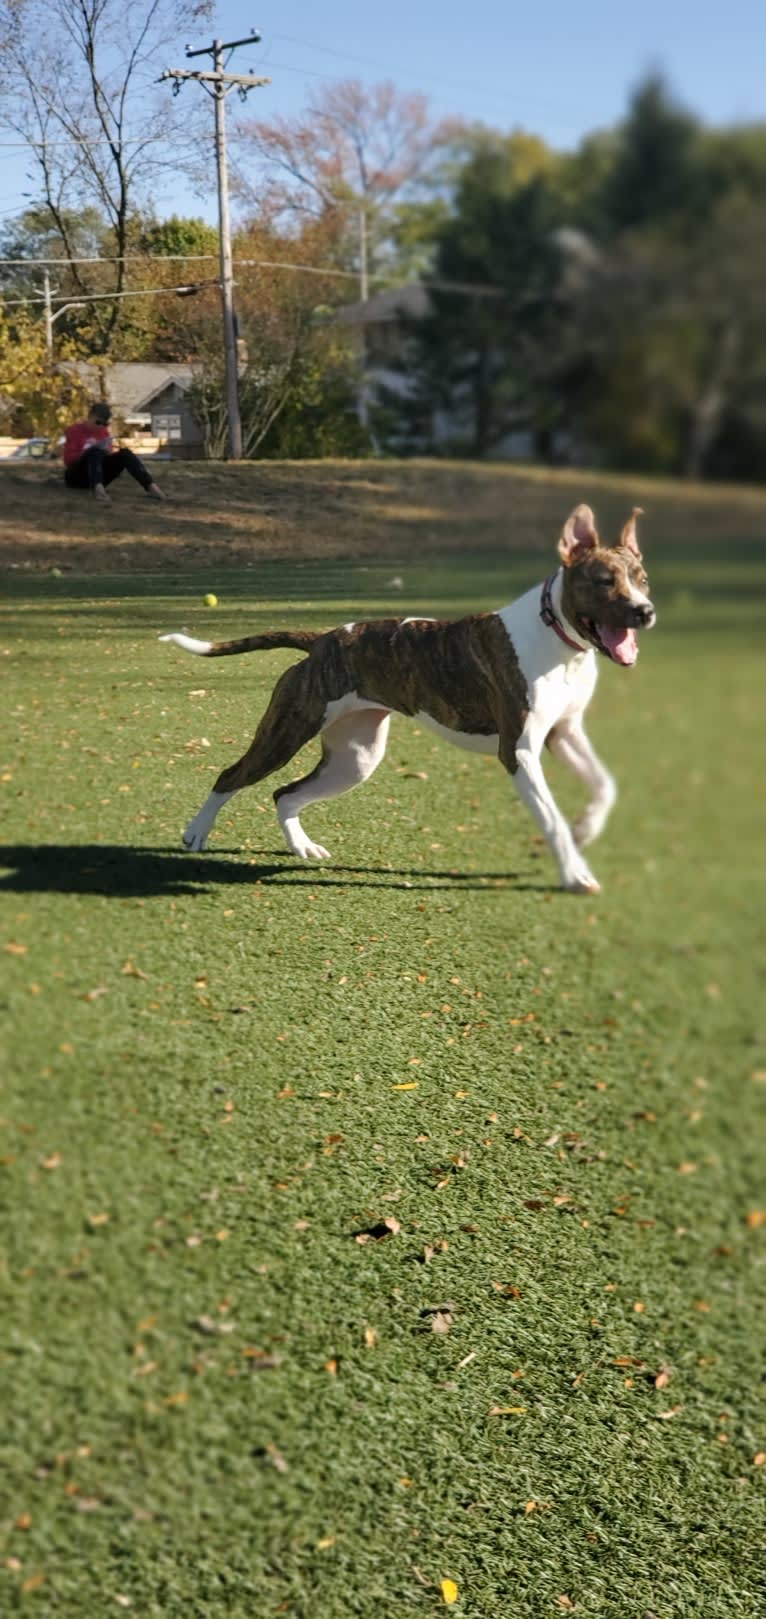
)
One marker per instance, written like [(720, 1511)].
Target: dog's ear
[(578, 535), (628, 537)]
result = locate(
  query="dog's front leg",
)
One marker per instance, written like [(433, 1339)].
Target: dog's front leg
[(568, 742), (523, 762)]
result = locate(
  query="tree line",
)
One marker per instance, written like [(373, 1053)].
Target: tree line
[(601, 306)]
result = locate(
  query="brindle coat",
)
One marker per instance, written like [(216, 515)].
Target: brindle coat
[(464, 674)]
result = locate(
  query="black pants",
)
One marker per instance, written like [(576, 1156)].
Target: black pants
[(99, 466)]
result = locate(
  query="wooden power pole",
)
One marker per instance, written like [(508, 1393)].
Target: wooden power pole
[(221, 83)]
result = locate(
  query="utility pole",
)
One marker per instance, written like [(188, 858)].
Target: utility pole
[(364, 276), (48, 315), (364, 293), (222, 83)]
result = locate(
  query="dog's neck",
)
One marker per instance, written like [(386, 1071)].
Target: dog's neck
[(552, 614)]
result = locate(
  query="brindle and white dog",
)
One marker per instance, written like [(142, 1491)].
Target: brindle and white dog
[(504, 682)]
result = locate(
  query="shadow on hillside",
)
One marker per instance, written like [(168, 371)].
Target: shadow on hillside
[(118, 872)]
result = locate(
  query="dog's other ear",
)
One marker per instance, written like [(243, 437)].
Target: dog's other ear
[(578, 535), (628, 537)]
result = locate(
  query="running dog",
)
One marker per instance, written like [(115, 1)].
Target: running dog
[(506, 683)]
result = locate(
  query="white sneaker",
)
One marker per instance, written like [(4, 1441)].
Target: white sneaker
[(101, 494)]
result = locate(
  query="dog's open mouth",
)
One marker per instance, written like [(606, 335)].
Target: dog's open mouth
[(620, 644)]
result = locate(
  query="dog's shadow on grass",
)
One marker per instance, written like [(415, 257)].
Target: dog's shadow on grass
[(118, 871)]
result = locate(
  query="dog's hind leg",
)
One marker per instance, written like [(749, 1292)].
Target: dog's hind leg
[(352, 747), (292, 718), (568, 742)]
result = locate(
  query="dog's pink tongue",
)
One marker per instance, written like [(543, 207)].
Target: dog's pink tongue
[(620, 644)]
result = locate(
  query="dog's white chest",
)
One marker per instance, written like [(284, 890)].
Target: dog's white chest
[(555, 685)]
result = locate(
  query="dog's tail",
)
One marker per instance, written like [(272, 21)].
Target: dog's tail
[(298, 640)]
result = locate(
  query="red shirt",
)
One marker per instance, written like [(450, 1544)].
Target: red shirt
[(79, 437)]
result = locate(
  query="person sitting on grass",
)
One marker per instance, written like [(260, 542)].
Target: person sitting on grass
[(91, 460)]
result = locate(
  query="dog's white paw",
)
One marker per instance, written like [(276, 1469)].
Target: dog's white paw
[(312, 851), (581, 881), (194, 842)]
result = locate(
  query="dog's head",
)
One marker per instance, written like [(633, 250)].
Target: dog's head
[(606, 592)]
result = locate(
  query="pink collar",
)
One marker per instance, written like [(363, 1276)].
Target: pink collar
[(548, 616)]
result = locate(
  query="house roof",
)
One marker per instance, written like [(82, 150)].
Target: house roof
[(131, 385), (411, 299)]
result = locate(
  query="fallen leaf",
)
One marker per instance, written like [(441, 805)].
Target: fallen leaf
[(331, 1366), (411, 1085), (277, 1459), (51, 1163), (130, 970), (663, 1377), (441, 1321), (566, 1603), (370, 1337), (686, 1169), (665, 1416), (756, 1218), (759, 1458), (382, 1228), (15, 949), (449, 1592), (328, 1540), (97, 1219), (507, 1411), (95, 994)]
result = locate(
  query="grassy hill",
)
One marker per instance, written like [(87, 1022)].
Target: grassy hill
[(238, 515), (390, 1230)]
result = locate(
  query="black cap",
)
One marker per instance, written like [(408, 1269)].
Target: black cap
[(101, 412)]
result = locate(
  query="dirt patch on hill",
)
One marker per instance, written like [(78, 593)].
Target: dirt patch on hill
[(391, 510)]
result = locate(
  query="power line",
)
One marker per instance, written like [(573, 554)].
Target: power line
[(99, 297), (473, 288), (506, 96)]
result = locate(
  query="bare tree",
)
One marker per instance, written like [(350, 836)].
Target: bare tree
[(359, 151), (76, 83)]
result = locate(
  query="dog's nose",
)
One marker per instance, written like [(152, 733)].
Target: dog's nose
[(645, 615)]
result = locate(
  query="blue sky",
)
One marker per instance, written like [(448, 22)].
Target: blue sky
[(559, 69)]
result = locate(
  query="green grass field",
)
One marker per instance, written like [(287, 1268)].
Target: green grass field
[(229, 1388)]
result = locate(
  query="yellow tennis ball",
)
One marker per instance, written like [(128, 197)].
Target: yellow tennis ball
[(211, 600)]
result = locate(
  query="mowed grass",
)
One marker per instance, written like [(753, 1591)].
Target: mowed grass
[(222, 1071)]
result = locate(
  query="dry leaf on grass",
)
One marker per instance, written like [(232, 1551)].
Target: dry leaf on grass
[(449, 1592), (276, 1458), (130, 970), (382, 1228)]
